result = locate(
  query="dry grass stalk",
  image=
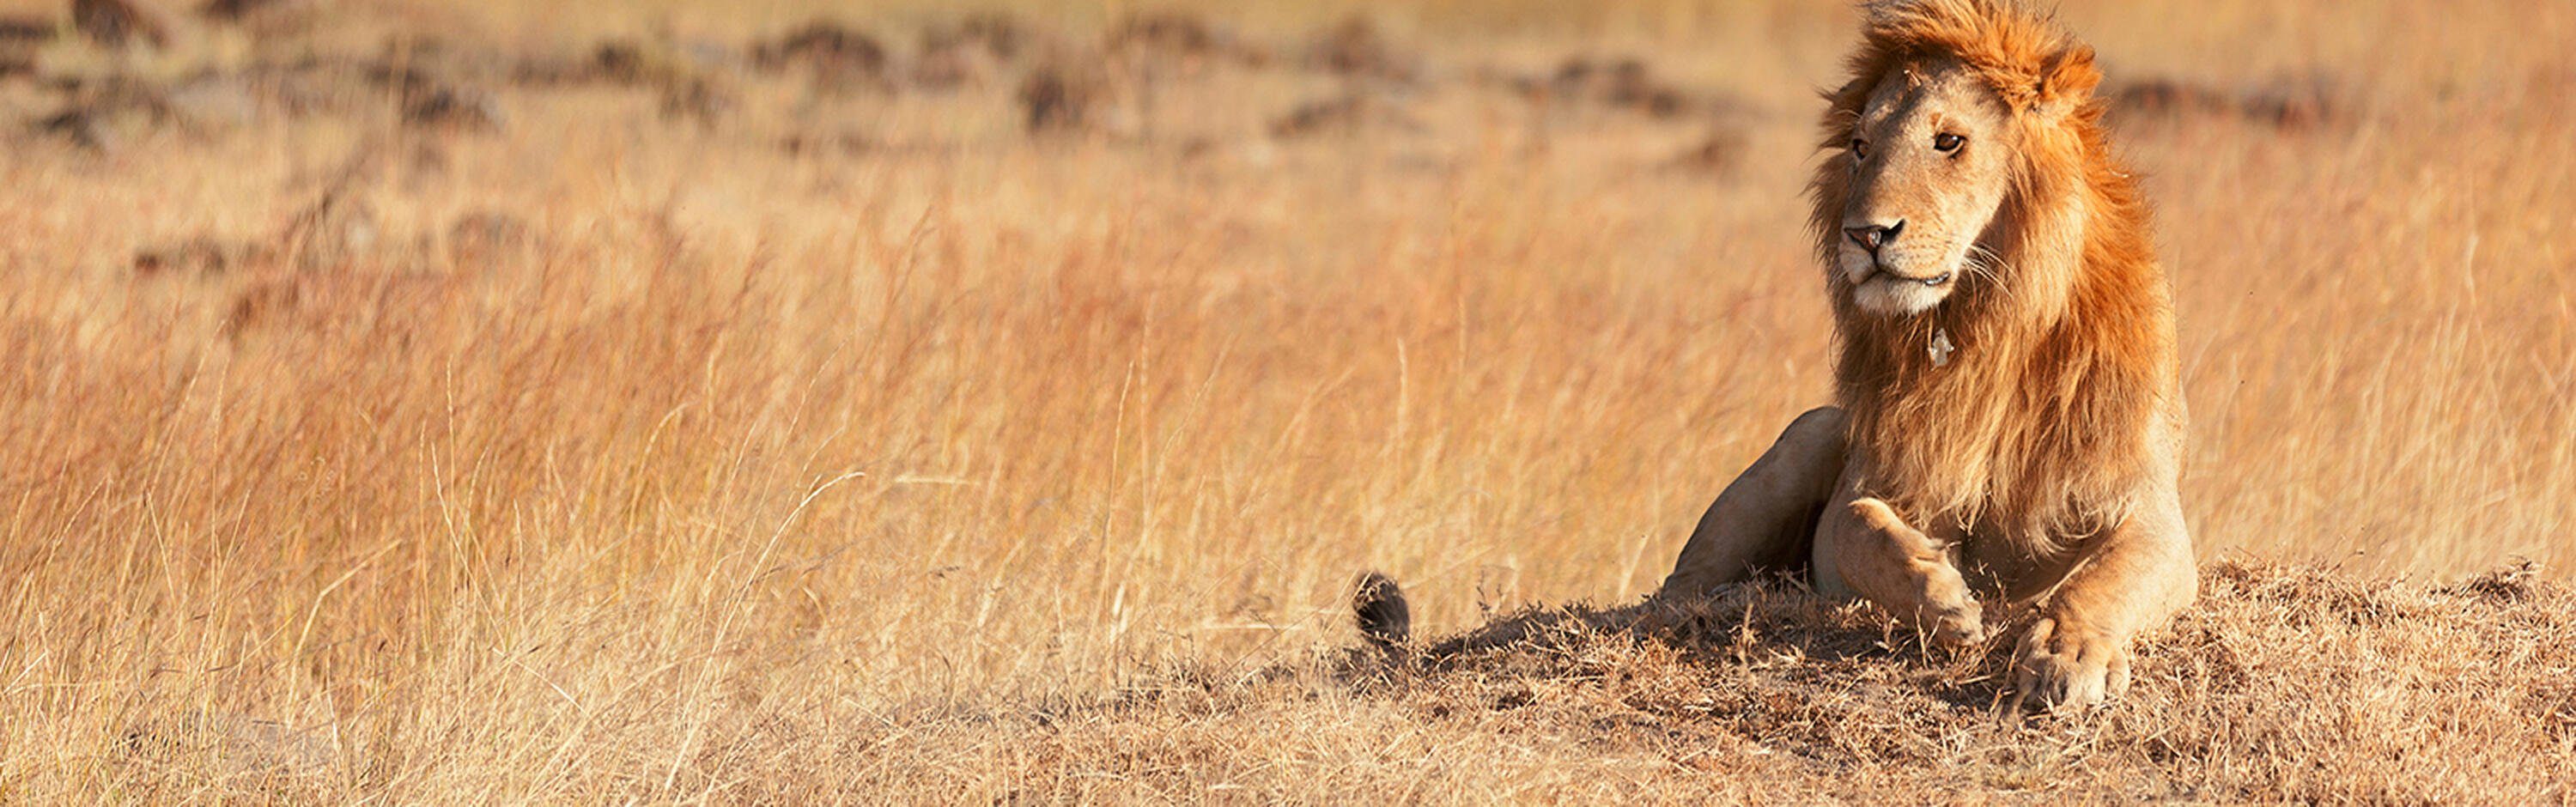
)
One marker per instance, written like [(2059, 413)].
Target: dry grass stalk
[(500, 468)]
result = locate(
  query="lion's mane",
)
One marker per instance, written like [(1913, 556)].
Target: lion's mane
[(2045, 421)]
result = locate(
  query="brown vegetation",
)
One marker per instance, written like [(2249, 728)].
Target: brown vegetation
[(1356, 48), (119, 23), (2287, 105), (1347, 113), (1069, 93), (2289, 684), (833, 439), (1621, 82), (833, 56)]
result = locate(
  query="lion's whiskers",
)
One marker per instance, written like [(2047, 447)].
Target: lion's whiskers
[(1982, 263)]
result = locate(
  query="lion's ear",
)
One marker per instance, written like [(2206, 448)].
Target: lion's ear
[(2067, 79)]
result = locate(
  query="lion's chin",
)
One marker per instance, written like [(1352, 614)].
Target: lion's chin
[(1896, 297)]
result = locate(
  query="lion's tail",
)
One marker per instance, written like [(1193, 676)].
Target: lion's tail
[(1378, 604)]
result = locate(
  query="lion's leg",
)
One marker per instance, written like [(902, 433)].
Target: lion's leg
[(1864, 549), (2136, 579), (1766, 518)]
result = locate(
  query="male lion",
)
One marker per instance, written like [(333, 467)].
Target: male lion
[(2010, 418), (2010, 421)]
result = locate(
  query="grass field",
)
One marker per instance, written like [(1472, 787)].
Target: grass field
[(604, 402)]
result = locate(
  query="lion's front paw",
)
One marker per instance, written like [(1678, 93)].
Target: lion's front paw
[(2068, 669), (1949, 607), (1923, 586), (1960, 624)]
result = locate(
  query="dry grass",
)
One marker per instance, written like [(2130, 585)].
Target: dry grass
[(554, 402)]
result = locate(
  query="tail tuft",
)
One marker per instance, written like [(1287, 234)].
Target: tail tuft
[(1379, 606)]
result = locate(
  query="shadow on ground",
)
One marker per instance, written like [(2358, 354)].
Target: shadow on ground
[(2282, 682)]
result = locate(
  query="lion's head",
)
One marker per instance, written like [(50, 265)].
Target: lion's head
[(1969, 202), (1930, 156), (1954, 110)]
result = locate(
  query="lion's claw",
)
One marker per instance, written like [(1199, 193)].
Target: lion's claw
[(2067, 670)]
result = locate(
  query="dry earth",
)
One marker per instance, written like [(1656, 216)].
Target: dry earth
[(664, 401)]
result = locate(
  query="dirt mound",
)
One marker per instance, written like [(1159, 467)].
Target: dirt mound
[(2283, 683)]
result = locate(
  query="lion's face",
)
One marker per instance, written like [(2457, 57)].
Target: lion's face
[(1930, 163)]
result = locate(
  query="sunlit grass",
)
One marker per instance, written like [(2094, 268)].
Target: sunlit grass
[(718, 431)]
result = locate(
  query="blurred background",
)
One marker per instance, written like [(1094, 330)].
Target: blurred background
[(360, 355)]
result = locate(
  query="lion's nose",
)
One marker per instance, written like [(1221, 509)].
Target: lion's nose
[(1873, 236)]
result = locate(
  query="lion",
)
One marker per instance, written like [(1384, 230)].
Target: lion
[(2010, 416), (2009, 420)]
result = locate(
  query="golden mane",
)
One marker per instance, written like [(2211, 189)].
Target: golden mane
[(2045, 421)]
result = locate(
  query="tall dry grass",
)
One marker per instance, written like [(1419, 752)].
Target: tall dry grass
[(609, 457)]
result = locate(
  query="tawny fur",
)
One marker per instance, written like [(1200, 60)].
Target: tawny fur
[(2039, 460), (2044, 422)]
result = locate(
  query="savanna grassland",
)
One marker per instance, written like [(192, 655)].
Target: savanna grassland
[(589, 402)]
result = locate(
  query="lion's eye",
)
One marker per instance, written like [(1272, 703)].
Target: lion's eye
[(1859, 149), (1947, 143)]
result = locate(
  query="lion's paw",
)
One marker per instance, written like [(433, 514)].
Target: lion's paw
[(1940, 600), (2068, 669), (1961, 624), (1949, 607)]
